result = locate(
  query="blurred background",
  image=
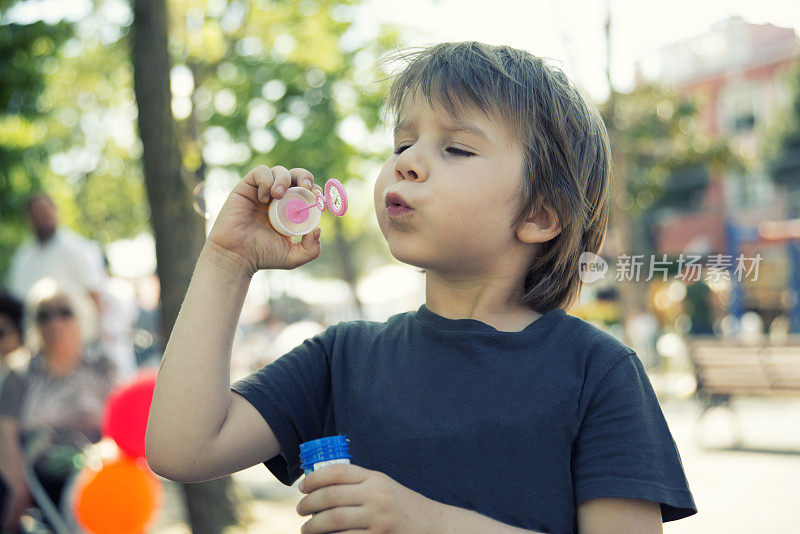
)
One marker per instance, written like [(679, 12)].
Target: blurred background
[(137, 118)]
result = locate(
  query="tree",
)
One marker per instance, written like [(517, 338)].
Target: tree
[(283, 84), (178, 232), (67, 126), (26, 50), (783, 167), (783, 146), (244, 90), (661, 160)]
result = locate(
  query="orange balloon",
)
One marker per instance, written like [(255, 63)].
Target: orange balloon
[(121, 497)]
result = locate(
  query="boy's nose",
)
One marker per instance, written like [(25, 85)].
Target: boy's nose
[(409, 174), (409, 166)]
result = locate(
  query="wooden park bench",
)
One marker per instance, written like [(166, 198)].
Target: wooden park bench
[(725, 369)]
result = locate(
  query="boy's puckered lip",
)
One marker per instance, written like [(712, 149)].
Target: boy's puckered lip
[(394, 199)]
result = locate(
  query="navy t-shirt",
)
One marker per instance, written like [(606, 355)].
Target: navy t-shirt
[(522, 427)]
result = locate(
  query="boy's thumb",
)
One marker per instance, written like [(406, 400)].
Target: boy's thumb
[(308, 248)]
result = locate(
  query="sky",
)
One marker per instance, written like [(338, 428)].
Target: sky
[(571, 32)]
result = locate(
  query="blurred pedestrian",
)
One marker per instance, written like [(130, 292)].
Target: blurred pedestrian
[(641, 329), (52, 410), (55, 252), (699, 305), (14, 358), (13, 351), (751, 329), (119, 313)]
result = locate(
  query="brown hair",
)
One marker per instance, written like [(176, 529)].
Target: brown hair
[(567, 158)]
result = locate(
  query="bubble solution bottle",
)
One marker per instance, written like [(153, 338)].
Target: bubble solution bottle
[(318, 453)]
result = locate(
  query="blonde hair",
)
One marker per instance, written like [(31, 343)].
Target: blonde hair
[(567, 157), (48, 289)]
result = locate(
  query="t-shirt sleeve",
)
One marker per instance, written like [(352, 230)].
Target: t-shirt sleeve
[(293, 395), (624, 448)]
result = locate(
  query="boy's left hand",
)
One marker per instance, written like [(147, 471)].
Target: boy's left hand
[(346, 497)]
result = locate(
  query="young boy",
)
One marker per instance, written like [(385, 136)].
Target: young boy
[(488, 409)]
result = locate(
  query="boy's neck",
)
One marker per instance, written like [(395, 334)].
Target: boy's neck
[(493, 303)]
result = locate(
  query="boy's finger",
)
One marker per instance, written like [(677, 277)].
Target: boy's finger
[(306, 250), (282, 181), (302, 177), (261, 178), (333, 474)]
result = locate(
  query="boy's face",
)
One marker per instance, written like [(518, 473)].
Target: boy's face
[(461, 180)]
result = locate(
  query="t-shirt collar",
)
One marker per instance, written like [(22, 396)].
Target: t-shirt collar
[(473, 325)]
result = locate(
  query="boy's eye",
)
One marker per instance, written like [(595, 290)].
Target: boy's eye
[(451, 150), (458, 152)]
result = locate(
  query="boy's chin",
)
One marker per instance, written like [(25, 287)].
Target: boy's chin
[(425, 264), (411, 259)]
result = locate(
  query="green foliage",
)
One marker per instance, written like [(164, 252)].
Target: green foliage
[(658, 144), (272, 83), (279, 83), (92, 141), (25, 52), (67, 128)]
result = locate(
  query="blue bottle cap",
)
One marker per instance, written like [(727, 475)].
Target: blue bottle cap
[(322, 450)]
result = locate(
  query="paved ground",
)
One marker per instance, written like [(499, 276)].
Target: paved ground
[(753, 488)]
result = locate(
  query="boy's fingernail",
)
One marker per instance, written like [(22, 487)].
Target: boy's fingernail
[(308, 182), (302, 485), (280, 190)]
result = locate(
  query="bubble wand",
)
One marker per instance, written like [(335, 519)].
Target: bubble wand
[(293, 215)]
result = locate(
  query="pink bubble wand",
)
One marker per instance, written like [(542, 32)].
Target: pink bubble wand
[(291, 214)]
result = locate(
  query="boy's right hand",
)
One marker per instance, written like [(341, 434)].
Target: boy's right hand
[(242, 232)]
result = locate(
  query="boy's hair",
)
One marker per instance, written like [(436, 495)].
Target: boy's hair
[(567, 157)]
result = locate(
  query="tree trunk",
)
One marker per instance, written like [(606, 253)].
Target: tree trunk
[(344, 249), (179, 232), (632, 293)]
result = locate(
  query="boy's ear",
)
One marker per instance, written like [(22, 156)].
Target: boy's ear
[(540, 228)]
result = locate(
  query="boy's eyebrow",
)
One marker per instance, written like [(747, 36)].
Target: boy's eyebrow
[(455, 126)]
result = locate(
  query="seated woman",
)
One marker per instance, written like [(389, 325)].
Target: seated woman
[(52, 409)]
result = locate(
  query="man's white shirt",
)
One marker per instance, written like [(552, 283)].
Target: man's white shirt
[(67, 257)]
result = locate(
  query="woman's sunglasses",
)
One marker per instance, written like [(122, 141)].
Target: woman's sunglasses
[(44, 315)]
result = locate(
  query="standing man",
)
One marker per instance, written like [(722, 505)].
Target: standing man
[(56, 253)]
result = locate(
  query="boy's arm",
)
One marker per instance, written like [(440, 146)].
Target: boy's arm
[(595, 516), (447, 519), (198, 428), (345, 497), (619, 516)]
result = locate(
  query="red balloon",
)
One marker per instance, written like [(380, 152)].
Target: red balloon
[(126, 411)]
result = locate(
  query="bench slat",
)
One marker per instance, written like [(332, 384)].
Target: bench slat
[(754, 370)]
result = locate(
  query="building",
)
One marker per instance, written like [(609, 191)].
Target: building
[(736, 71)]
